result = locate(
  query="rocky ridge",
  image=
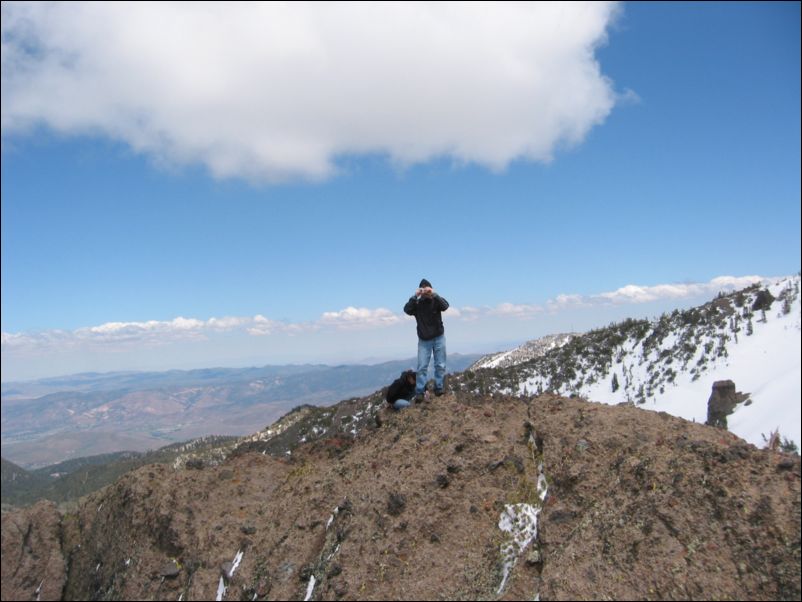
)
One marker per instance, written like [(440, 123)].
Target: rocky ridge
[(464, 497)]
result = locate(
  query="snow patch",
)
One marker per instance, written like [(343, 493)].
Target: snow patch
[(331, 518), (310, 588), (221, 586), (237, 560), (520, 522)]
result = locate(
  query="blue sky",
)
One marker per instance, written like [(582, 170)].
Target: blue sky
[(226, 203)]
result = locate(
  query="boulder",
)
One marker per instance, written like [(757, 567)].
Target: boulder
[(722, 402)]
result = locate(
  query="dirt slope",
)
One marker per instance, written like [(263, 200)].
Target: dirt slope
[(639, 505)]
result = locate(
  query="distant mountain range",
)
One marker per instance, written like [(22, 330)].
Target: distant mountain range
[(56, 419), (113, 381)]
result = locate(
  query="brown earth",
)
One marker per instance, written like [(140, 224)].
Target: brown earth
[(640, 506), (646, 505), (33, 564)]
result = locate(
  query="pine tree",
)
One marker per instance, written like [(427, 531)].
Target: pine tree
[(615, 382)]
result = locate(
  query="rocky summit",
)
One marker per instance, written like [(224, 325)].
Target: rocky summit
[(461, 497)]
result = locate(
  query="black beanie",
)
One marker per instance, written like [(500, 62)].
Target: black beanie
[(424, 283)]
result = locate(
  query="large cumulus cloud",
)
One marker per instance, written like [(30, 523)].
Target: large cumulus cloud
[(280, 91)]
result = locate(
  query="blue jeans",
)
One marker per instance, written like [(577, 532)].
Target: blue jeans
[(400, 404), (436, 346)]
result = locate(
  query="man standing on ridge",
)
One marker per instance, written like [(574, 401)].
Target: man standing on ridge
[(426, 305)]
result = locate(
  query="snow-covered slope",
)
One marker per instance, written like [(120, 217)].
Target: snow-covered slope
[(751, 337), (524, 353)]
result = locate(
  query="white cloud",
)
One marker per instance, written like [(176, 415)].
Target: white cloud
[(124, 329), (155, 332), (516, 310), (152, 331), (275, 91), (733, 283), (262, 326), (359, 317), (561, 302), (453, 312), (121, 333), (626, 295), (468, 313), (229, 322), (645, 294), (11, 338)]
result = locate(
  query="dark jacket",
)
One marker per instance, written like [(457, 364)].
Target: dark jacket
[(401, 389), (427, 314)]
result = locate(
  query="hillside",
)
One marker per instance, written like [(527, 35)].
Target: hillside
[(463, 497), (13, 474), (67, 481), (751, 337), (528, 351), (19, 485)]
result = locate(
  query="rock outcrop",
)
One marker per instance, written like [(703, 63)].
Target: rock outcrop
[(723, 400)]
